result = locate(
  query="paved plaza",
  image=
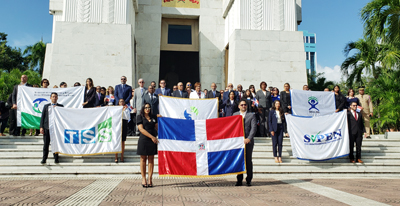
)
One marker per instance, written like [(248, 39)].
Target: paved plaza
[(127, 190)]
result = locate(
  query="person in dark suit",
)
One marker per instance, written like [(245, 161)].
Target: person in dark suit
[(123, 91), (99, 97), (264, 103), (276, 125), (230, 106), (340, 99), (213, 93), (90, 94), (44, 127), (13, 115), (250, 128), (226, 94), (181, 93), (240, 92), (163, 90), (152, 99), (356, 130), (4, 114)]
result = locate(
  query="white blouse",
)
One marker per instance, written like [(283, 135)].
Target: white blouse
[(278, 117)]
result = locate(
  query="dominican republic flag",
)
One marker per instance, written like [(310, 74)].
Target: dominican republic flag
[(201, 147)]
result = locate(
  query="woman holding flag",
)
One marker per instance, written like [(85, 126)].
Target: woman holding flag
[(147, 144)]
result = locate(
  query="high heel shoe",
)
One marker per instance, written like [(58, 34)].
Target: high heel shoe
[(116, 160)]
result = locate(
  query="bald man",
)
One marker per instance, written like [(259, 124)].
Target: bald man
[(13, 115)]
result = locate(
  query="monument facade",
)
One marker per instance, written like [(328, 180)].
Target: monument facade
[(237, 41)]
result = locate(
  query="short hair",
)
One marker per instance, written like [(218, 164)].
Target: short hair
[(103, 88), (139, 80), (263, 83), (77, 84), (62, 83), (179, 83), (125, 77), (162, 80), (305, 85), (54, 93), (353, 102), (286, 84), (41, 82), (197, 84), (153, 82)]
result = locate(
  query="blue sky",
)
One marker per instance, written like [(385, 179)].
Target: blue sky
[(335, 23)]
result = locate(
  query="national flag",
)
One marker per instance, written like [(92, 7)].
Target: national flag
[(201, 147)]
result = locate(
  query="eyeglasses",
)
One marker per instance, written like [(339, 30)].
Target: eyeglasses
[(123, 79), (45, 82), (243, 105), (141, 82), (147, 108)]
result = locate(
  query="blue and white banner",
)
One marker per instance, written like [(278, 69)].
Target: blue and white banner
[(319, 138), (310, 103), (85, 131), (190, 109)]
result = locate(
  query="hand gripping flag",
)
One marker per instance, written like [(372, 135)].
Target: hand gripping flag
[(201, 147)]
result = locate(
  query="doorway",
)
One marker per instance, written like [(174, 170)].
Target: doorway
[(179, 66)]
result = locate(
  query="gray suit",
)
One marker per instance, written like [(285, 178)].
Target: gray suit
[(265, 103), (138, 100), (250, 129)]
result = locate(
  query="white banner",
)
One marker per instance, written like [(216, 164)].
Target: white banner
[(85, 131), (190, 109), (310, 103), (319, 138), (30, 102)]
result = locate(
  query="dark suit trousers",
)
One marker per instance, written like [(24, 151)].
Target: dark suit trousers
[(263, 128), (3, 124), (46, 140), (14, 130), (249, 164), (132, 125), (277, 140), (357, 138)]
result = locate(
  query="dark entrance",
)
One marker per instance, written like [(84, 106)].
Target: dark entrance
[(179, 66)]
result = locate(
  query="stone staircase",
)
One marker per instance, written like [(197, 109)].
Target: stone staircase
[(22, 156)]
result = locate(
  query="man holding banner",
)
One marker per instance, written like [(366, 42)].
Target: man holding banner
[(14, 113), (44, 127)]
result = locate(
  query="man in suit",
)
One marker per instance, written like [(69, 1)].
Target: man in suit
[(250, 129), (13, 115), (356, 130), (181, 93), (99, 97), (264, 104), (152, 99), (367, 109), (123, 91), (240, 91), (226, 94), (44, 127), (163, 90), (138, 98), (214, 92)]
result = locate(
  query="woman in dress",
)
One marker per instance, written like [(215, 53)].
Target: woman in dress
[(147, 144), (351, 98), (276, 124), (90, 94), (125, 119), (109, 100)]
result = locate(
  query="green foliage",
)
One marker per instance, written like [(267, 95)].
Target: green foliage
[(35, 55), (11, 58), (9, 79), (386, 90), (317, 82)]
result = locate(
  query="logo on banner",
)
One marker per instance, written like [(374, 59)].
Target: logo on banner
[(202, 146), (188, 115), (89, 136), (38, 104), (318, 138), (313, 102)]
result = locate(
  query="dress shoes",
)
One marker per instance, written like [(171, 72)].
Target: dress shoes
[(43, 162), (360, 161), (352, 161), (248, 184), (238, 184)]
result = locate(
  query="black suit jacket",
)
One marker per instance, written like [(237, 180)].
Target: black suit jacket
[(90, 97), (153, 103), (355, 125), (178, 94), (99, 102), (15, 93), (44, 121), (210, 94)]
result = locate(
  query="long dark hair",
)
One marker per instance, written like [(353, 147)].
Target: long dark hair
[(245, 95), (281, 112), (142, 110), (91, 81), (229, 95)]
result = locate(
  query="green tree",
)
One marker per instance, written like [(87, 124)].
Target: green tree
[(9, 79), (317, 82), (35, 55), (11, 58)]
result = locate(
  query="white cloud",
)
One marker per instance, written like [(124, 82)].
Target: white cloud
[(331, 74)]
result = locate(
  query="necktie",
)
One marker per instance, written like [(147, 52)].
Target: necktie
[(141, 90), (240, 95), (180, 92), (214, 93), (355, 115), (99, 95), (162, 90)]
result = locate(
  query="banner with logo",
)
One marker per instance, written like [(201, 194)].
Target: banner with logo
[(85, 131), (319, 138), (190, 109), (310, 103), (30, 103)]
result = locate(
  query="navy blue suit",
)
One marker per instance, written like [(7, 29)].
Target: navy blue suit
[(226, 96), (125, 93), (230, 108), (167, 92), (277, 138)]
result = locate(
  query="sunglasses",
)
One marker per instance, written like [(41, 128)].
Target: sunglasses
[(141, 82), (123, 79), (243, 105), (189, 84)]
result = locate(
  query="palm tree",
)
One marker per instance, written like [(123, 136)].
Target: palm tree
[(35, 55), (364, 60), (317, 82), (382, 20)]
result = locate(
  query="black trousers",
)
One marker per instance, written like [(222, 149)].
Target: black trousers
[(3, 123), (357, 138), (277, 140), (249, 164), (132, 125), (46, 140), (263, 127), (14, 130)]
